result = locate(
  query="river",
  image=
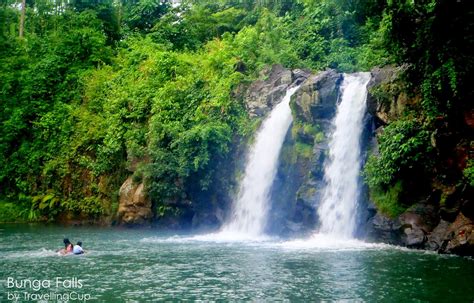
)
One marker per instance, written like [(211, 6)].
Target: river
[(140, 265)]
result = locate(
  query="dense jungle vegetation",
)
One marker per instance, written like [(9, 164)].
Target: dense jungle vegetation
[(90, 89)]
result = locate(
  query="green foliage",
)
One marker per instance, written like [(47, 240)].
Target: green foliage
[(435, 38), (96, 87), (88, 206), (387, 200), (469, 172), (404, 149), (303, 150), (142, 15), (42, 147), (13, 212), (339, 34), (104, 85)]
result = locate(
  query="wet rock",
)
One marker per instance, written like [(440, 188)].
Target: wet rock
[(309, 193), (300, 75), (421, 227), (413, 236), (423, 215), (320, 151), (290, 207), (134, 204), (294, 228), (383, 229), (459, 237), (317, 96), (296, 193), (437, 236), (410, 229)]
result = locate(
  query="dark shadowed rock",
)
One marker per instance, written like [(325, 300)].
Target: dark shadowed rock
[(420, 227), (424, 216), (413, 237), (208, 220), (300, 75), (437, 236), (384, 229), (459, 237), (410, 229)]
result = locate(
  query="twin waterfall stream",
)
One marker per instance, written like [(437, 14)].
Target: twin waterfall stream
[(250, 210), (242, 262), (341, 172)]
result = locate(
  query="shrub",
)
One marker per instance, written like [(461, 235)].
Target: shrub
[(404, 149), (387, 201)]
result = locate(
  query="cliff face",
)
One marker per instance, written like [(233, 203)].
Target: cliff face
[(208, 209), (296, 191), (134, 204), (438, 216)]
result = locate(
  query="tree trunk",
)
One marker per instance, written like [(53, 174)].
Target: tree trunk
[(22, 17)]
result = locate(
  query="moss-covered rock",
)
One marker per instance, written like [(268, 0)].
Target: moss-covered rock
[(297, 189), (317, 97), (388, 95)]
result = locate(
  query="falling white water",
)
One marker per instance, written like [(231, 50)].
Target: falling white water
[(341, 173), (250, 209)]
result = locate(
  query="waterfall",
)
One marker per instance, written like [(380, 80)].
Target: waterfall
[(337, 211), (249, 211)]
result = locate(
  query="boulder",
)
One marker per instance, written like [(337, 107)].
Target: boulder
[(383, 229), (387, 98), (410, 229), (459, 237), (134, 204), (270, 89), (416, 223), (423, 215), (317, 97), (437, 236), (421, 227)]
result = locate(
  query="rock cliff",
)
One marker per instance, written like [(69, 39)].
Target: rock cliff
[(134, 204), (296, 190), (443, 220)]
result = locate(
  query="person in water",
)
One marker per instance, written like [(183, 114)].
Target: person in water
[(68, 247), (77, 250)]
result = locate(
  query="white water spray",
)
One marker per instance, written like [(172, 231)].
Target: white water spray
[(339, 202), (250, 209)]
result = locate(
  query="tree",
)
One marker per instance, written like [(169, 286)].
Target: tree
[(22, 18)]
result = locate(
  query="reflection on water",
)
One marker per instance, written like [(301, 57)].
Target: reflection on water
[(149, 265)]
